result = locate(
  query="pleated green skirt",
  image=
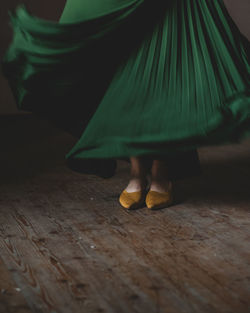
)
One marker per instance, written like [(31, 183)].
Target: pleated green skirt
[(135, 77)]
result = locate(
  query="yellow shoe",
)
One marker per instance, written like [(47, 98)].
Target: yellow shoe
[(158, 200), (132, 200)]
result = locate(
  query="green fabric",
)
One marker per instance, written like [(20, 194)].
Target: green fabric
[(79, 10), (138, 77)]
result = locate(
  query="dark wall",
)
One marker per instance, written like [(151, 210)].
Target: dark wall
[(51, 9), (240, 12)]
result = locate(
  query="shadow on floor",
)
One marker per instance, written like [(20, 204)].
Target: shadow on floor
[(31, 146)]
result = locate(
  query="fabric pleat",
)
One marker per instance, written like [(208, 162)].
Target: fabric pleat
[(185, 86), (134, 77)]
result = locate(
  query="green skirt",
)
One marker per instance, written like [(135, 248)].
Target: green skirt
[(132, 77)]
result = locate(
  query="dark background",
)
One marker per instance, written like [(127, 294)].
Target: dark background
[(52, 9), (49, 9)]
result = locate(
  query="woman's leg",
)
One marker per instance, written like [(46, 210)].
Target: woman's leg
[(160, 193), (138, 173), (159, 176)]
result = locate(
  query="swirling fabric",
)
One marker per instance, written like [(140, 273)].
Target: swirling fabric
[(136, 77)]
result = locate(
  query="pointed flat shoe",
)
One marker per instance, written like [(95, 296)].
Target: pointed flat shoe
[(158, 200), (132, 200)]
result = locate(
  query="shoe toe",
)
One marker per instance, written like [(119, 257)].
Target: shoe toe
[(130, 200), (155, 199)]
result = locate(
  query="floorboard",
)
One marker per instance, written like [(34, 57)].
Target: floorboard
[(66, 245)]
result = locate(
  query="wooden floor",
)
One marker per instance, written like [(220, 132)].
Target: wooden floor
[(67, 246)]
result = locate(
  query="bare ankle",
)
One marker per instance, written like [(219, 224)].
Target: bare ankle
[(137, 184), (159, 180)]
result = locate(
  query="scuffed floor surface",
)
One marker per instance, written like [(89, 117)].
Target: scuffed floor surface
[(66, 245)]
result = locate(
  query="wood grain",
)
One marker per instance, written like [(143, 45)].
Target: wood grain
[(68, 246)]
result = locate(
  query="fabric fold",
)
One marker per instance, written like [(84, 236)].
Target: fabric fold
[(134, 77)]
